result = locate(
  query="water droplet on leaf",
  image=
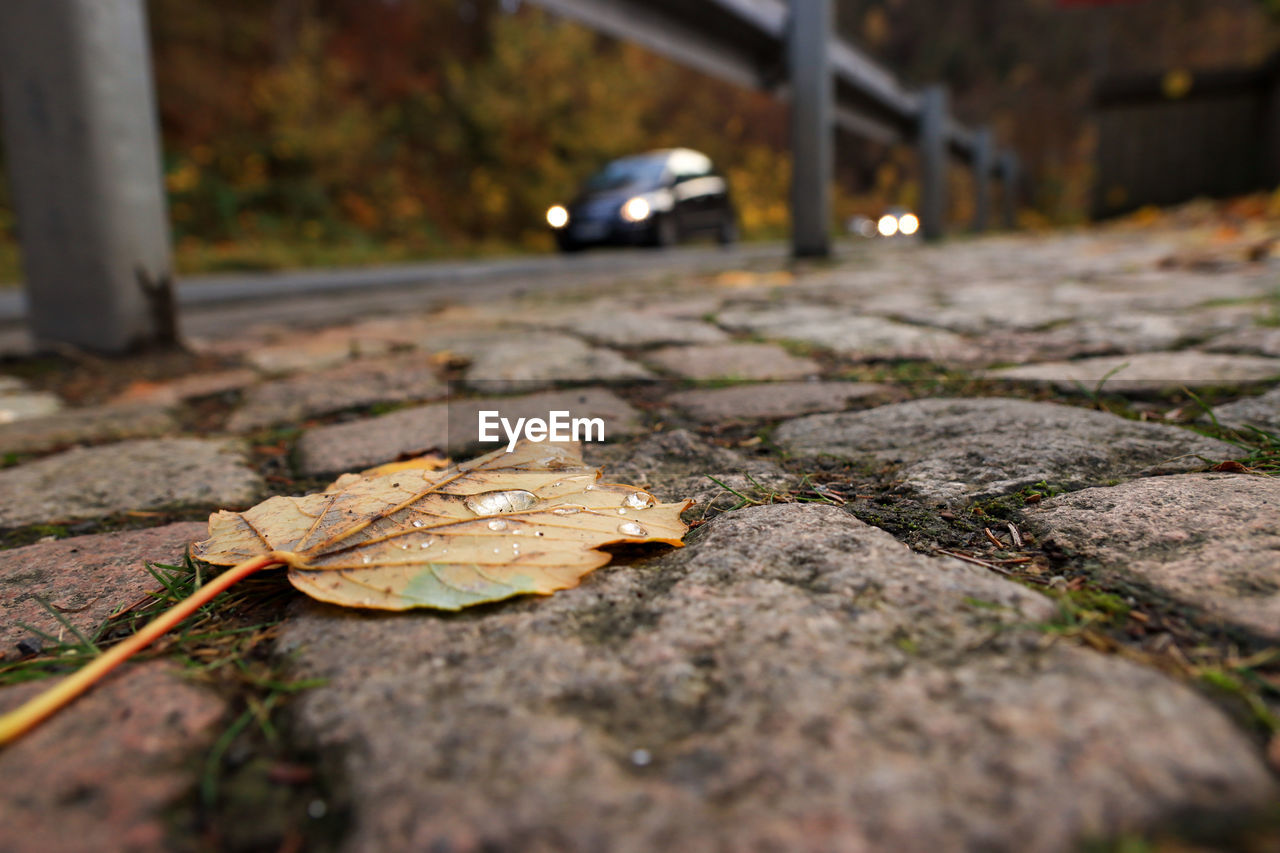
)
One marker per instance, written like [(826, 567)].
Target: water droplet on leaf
[(632, 529), (638, 500), (493, 503)]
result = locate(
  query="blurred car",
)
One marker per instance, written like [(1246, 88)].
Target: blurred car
[(657, 198), (892, 222)]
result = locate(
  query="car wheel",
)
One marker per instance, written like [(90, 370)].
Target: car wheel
[(727, 232), (665, 232)]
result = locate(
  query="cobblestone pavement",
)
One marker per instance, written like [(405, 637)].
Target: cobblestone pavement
[(976, 569)]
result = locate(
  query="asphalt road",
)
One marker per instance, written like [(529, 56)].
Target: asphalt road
[(214, 303), (454, 279)]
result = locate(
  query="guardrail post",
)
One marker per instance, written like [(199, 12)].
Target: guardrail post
[(82, 145), (933, 161), (812, 93), (1010, 181), (982, 163)]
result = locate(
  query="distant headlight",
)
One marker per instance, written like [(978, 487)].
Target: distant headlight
[(908, 224), (888, 225), (557, 217), (635, 210)]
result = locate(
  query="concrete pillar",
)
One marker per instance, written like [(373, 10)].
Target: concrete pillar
[(83, 153), (982, 164), (1011, 181), (812, 130), (933, 162)]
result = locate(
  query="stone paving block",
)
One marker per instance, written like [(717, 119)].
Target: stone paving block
[(1261, 340), (952, 451), (174, 391), (851, 334), (410, 330), (357, 383), (733, 361), (88, 425), (977, 308), (103, 773), (1109, 299), (576, 310), (1153, 289), (86, 578), (877, 339), (1210, 540), (791, 680), (314, 351), (769, 317), (1144, 373), (690, 306), (634, 329), (1262, 412), (131, 475), (776, 400), (1103, 336), (449, 329), (21, 405), (447, 426), (1150, 332), (522, 362), (894, 301), (677, 464)]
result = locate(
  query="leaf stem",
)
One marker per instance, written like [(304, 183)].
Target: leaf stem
[(28, 715)]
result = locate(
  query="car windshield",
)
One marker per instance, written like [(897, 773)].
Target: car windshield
[(629, 171)]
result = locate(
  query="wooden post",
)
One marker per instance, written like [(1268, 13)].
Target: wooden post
[(812, 95), (933, 162), (81, 140)]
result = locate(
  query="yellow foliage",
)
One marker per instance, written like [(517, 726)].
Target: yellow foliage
[(760, 183), (182, 179)]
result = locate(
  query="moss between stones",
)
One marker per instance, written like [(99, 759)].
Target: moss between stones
[(260, 789), (918, 526), (31, 534)]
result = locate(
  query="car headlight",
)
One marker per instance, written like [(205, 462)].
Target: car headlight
[(908, 224), (557, 217), (636, 210), (888, 225)]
